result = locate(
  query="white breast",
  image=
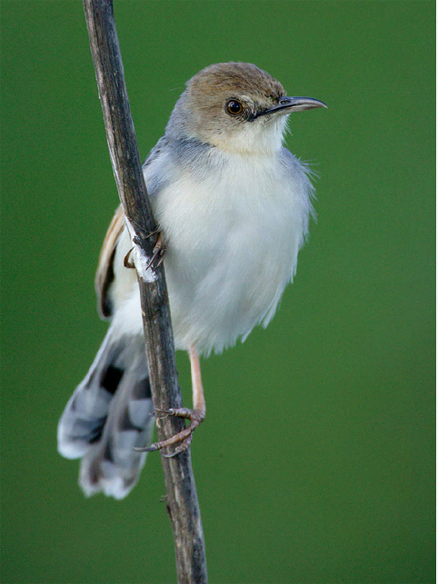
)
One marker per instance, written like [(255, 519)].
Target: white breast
[(232, 238)]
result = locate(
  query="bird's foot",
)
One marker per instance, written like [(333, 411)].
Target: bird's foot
[(184, 438), (127, 262), (158, 252)]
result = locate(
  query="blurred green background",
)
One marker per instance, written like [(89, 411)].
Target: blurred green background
[(316, 462)]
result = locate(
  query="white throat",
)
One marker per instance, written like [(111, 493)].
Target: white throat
[(258, 137)]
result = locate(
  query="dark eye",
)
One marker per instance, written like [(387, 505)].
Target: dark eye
[(234, 107)]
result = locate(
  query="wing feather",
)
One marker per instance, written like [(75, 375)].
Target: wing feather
[(105, 268)]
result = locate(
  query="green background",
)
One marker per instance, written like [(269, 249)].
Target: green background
[(316, 462)]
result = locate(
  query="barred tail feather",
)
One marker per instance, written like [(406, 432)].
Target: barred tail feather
[(108, 415)]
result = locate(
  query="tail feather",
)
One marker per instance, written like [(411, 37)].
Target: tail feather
[(108, 415)]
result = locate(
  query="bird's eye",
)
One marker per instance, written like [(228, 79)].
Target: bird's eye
[(234, 107)]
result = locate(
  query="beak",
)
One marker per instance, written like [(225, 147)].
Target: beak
[(293, 104)]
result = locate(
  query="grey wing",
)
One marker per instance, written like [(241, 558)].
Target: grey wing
[(105, 269)]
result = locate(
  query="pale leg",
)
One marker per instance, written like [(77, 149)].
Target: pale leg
[(196, 416), (197, 389)]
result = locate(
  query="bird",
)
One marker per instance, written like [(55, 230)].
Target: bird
[(232, 206)]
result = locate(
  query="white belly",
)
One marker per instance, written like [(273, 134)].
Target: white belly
[(232, 243), (232, 247)]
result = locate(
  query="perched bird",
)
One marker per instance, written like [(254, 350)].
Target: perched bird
[(232, 206)]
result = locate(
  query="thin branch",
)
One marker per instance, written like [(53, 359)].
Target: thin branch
[(182, 502)]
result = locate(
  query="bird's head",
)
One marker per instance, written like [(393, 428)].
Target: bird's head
[(236, 107)]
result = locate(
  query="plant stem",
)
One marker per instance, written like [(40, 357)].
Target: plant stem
[(182, 501)]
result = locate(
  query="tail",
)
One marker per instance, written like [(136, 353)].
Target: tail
[(108, 415)]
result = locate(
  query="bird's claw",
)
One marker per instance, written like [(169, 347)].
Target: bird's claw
[(127, 261), (158, 253), (184, 438)]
